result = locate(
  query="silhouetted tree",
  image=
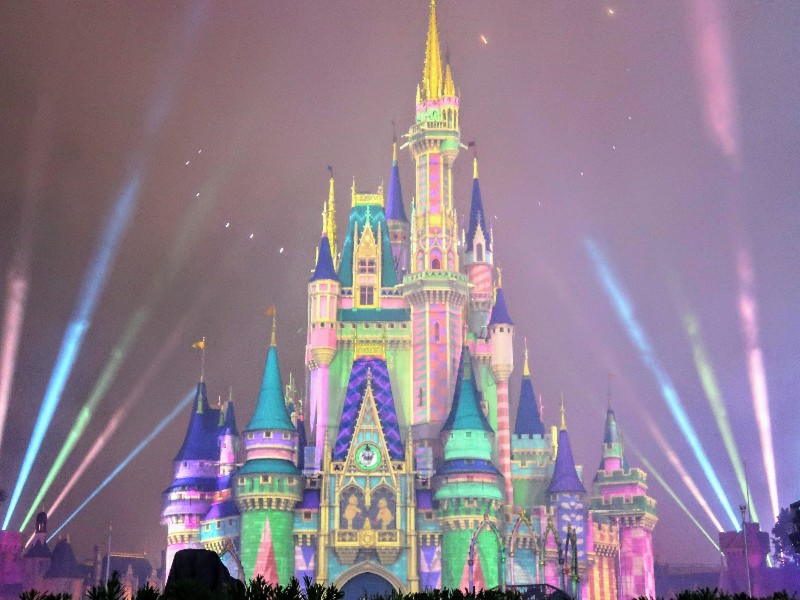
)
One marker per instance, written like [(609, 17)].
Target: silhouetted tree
[(783, 552)]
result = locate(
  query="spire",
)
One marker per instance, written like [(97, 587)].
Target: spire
[(394, 206), (611, 435), (270, 410), (466, 412), (477, 218), (330, 217), (432, 72), (449, 86), (324, 268), (500, 314), (526, 370), (565, 475), (529, 421)]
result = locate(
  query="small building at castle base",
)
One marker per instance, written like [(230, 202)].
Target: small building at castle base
[(56, 570)]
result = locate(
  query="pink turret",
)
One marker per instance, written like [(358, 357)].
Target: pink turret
[(501, 332), (620, 499), (323, 300), (479, 262)]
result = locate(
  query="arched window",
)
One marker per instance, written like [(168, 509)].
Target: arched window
[(436, 332), (436, 260), (479, 253)]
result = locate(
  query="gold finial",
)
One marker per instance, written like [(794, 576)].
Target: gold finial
[(201, 345), (432, 73), (563, 413), (475, 168), (272, 311), (449, 86), (526, 370), (230, 393), (394, 152), (499, 277), (353, 191)]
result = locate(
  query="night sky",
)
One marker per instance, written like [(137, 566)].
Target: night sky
[(664, 133)]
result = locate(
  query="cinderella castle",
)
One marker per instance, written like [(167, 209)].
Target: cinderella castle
[(401, 467)]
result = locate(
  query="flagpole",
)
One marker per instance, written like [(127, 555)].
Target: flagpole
[(203, 360), (108, 558)]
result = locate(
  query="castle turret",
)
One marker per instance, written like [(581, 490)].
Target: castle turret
[(435, 288), (323, 302), (188, 498), (567, 500), (38, 555), (620, 498), (501, 331), (531, 447), (479, 261), (396, 220), (468, 487), (222, 521), (268, 486)]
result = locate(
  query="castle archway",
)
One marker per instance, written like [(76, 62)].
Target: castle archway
[(366, 580)]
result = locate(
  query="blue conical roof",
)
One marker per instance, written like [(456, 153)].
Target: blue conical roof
[(271, 407), (200, 442), (395, 211), (500, 314), (324, 268), (611, 435), (466, 412), (528, 419), (228, 421), (477, 217), (565, 475)]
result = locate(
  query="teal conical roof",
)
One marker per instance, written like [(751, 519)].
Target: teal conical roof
[(271, 408), (466, 412)]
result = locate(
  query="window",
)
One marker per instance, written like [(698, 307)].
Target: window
[(251, 435), (479, 253), (366, 266), (436, 332), (366, 296), (287, 436), (436, 264), (306, 515)]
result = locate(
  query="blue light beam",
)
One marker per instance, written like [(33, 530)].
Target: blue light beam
[(624, 309), (90, 292), (151, 436)]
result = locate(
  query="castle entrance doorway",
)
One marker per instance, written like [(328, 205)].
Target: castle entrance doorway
[(366, 585)]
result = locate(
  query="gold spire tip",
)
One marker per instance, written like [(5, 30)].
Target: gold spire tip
[(272, 311), (526, 370), (563, 414), (475, 168), (394, 152), (499, 277)]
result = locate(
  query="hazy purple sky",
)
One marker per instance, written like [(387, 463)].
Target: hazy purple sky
[(672, 155)]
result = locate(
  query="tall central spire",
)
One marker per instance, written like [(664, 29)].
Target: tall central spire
[(432, 73)]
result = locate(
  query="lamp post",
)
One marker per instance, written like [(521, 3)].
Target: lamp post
[(743, 510)]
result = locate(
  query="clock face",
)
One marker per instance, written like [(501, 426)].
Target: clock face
[(368, 457)]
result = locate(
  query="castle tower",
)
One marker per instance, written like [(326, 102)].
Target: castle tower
[(567, 500), (37, 557), (367, 505), (620, 498), (397, 222), (188, 498), (323, 300), (468, 487), (501, 331), (435, 288), (221, 523), (269, 486), (531, 447), (479, 260)]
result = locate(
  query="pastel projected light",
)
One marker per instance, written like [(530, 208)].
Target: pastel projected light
[(624, 309)]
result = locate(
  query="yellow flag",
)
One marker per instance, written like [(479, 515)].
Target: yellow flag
[(271, 310), (201, 344)]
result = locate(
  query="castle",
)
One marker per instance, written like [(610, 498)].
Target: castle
[(401, 468)]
